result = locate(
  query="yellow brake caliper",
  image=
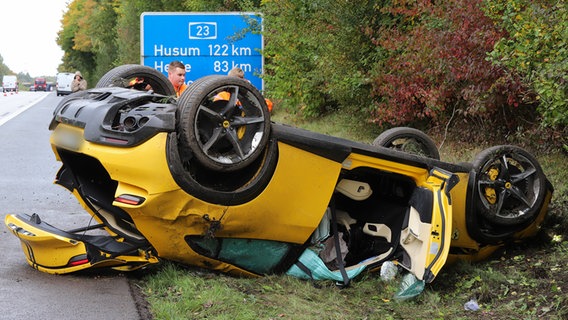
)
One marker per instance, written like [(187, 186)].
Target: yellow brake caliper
[(490, 193), (241, 130)]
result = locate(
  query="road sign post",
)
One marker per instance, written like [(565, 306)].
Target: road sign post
[(206, 43)]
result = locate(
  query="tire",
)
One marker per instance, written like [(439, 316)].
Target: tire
[(510, 186), (125, 77), (223, 188), (223, 135), (408, 140)]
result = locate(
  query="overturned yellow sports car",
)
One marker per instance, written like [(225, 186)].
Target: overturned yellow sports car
[(208, 180)]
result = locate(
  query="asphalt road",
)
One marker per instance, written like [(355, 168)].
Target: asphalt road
[(27, 171)]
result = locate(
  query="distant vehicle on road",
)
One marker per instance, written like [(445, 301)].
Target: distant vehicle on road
[(63, 83), (40, 84), (9, 83)]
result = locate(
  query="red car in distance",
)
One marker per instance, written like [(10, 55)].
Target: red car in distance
[(40, 84)]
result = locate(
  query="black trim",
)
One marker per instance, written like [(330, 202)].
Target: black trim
[(423, 201), (95, 186), (338, 149), (97, 242), (101, 112)]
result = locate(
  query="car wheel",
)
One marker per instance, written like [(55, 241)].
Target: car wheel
[(137, 77), (510, 185), (224, 121), (408, 140)]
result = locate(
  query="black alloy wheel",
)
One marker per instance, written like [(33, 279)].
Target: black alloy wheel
[(510, 185), (224, 121), (408, 140)]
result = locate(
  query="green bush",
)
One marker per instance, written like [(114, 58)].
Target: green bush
[(537, 49), (318, 55)]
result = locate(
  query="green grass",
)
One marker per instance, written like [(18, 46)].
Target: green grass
[(335, 124), (505, 288), (523, 281)]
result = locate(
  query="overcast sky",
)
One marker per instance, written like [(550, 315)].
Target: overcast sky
[(29, 32)]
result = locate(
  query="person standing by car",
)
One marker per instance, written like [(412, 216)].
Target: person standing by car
[(176, 75), (239, 73), (236, 72), (78, 83)]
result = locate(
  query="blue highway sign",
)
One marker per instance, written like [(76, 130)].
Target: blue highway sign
[(206, 43)]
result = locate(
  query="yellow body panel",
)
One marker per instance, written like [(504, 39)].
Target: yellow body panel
[(441, 225), (125, 164), (49, 252), (270, 216), (43, 249), (419, 175)]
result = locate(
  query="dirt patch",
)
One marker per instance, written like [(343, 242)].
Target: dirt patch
[(140, 299)]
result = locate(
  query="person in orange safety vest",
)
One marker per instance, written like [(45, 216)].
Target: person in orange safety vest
[(176, 75)]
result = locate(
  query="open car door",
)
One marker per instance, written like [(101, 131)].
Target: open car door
[(425, 241)]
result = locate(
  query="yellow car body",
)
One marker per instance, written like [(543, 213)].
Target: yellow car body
[(153, 201)]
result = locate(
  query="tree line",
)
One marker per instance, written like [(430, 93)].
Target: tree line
[(499, 63)]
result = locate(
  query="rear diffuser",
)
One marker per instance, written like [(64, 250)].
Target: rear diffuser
[(55, 251)]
